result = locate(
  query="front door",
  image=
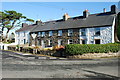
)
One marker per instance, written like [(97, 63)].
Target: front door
[(97, 41), (24, 41)]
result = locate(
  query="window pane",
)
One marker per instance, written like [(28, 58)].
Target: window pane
[(43, 34), (50, 33), (60, 33), (70, 41), (97, 41), (83, 32), (83, 42), (39, 33), (70, 32), (97, 31)]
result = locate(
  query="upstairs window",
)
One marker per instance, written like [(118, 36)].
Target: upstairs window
[(70, 41), (83, 32), (50, 33), (39, 34), (97, 31), (43, 34), (70, 32), (59, 32)]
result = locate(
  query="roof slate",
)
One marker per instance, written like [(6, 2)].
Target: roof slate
[(93, 20), (27, 28)]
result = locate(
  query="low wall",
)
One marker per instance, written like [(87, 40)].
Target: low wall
[(56, 53), (95, 55), (5, 46)]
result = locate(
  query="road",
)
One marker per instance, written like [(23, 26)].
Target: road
[(21, 67)]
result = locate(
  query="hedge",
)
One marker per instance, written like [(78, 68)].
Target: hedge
[(75, 49)]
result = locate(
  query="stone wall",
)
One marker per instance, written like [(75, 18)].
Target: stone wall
[(95, 55)]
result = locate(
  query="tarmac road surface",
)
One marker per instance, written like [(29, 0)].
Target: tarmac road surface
[(19, 67)]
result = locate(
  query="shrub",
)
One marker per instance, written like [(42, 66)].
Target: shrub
[(75, 49)]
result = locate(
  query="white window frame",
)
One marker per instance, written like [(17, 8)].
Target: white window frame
[(42, 43), (50, 33), (69, 41), (24, 34), (18, 41), (43, 34), (49, 42), (70, 32), (18, 34), (96, 30), (59, 32), (81, 30), (39, 34), (59, 42), (82, 40)]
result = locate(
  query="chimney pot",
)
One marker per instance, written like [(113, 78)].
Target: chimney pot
[(38, 22), (66, 16), (24, 24), (113, 9), (85, 13), (104, 10)]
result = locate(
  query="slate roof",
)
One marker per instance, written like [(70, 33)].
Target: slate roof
[(27, 28), (93, 20)]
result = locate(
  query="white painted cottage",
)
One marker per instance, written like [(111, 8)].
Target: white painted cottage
[(22, 35)]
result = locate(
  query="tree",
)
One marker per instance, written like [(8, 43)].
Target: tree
[(118, 28), (9, 19)]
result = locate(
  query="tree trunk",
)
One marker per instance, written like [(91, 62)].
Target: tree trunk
[(2, 34), (117, 28), (6, 38), (13, 23)]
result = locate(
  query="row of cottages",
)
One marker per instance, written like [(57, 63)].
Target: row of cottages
[(87, 29)]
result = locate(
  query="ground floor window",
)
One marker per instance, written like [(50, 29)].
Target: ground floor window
[(50, 42), (60, 42), (38, 42), (83, 41), (97, 41), (70, 41), (42, 43)]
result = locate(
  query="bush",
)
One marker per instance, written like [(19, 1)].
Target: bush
[(75, 49)]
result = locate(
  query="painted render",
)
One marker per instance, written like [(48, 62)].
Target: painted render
[(22, 37)]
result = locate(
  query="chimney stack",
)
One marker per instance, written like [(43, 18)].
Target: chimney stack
[(85, 13), (24, 24), (104, 10), (38, 22), (113, 9), (66, 16)]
